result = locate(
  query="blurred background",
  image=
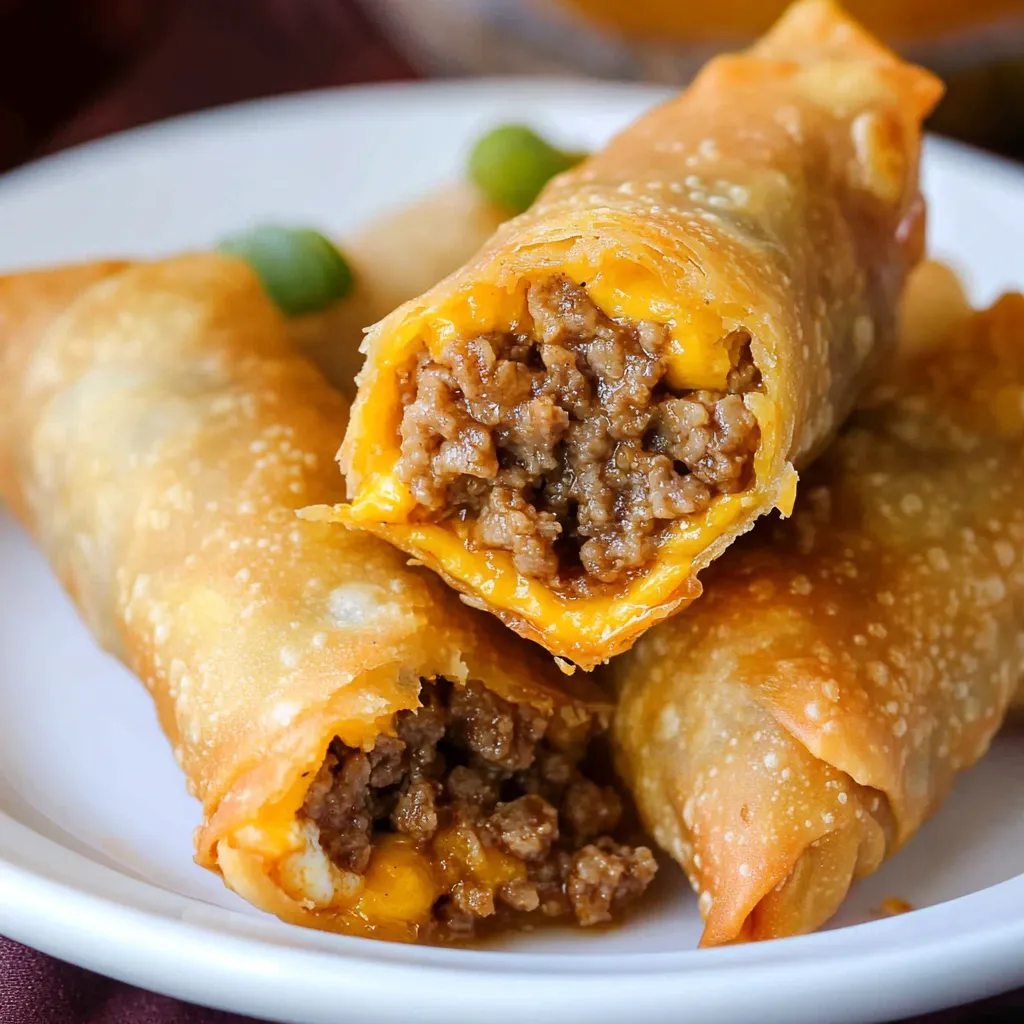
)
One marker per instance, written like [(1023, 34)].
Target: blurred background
[(72, 70)]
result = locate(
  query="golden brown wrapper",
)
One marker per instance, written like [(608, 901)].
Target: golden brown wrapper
[(807, 715), (393, 259), (778, 195), (156, 433)]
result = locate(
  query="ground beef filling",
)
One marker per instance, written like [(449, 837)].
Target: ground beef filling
[(564, 445), (467, 758)]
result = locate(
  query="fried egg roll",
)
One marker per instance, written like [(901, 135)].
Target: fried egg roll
[(585, 415), (393, 258), (808, 714), (372, 756)]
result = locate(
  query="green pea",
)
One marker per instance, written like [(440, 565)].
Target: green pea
[(300, 269), (511, 164)]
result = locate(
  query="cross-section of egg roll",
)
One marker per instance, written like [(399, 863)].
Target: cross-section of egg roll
[(371, 755), (804, 718), (623, 379)]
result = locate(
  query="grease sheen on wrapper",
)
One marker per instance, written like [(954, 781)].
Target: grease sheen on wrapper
[(746, 242), (807, 715), (156, 434)]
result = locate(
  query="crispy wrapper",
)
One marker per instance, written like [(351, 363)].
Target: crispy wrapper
[(803, 720), (156, 434), (393, 259), (777, 198)]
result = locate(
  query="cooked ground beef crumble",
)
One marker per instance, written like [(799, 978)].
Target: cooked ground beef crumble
[(470, 759), (565, 446)]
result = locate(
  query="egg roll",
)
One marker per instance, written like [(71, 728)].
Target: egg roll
[(586, 414), (812, 710), (372, 756)]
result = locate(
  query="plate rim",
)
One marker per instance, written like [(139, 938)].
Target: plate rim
[(124, 933)]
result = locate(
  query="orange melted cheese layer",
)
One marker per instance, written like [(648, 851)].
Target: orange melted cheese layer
[(402, 881), (569, 625), (395, 896)]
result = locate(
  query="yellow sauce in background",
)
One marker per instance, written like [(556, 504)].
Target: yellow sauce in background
[(690, 20), (977, 46)]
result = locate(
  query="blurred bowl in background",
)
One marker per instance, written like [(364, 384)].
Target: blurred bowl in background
[(976, 45)]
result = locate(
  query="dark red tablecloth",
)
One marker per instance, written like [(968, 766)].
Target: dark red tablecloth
[(36, 989), (73, 70)]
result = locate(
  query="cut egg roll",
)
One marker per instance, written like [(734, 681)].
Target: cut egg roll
[(586, 414), (813, 709), (372, 756)]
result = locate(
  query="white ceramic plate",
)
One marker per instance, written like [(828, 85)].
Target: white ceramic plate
[(95, 826)]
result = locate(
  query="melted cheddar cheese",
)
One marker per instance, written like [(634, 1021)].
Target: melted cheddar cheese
[(568, 624), (402, 881)]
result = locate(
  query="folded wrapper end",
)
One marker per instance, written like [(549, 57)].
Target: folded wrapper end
[(815, 31), (28, 303), (803, 720), (711, 788)]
